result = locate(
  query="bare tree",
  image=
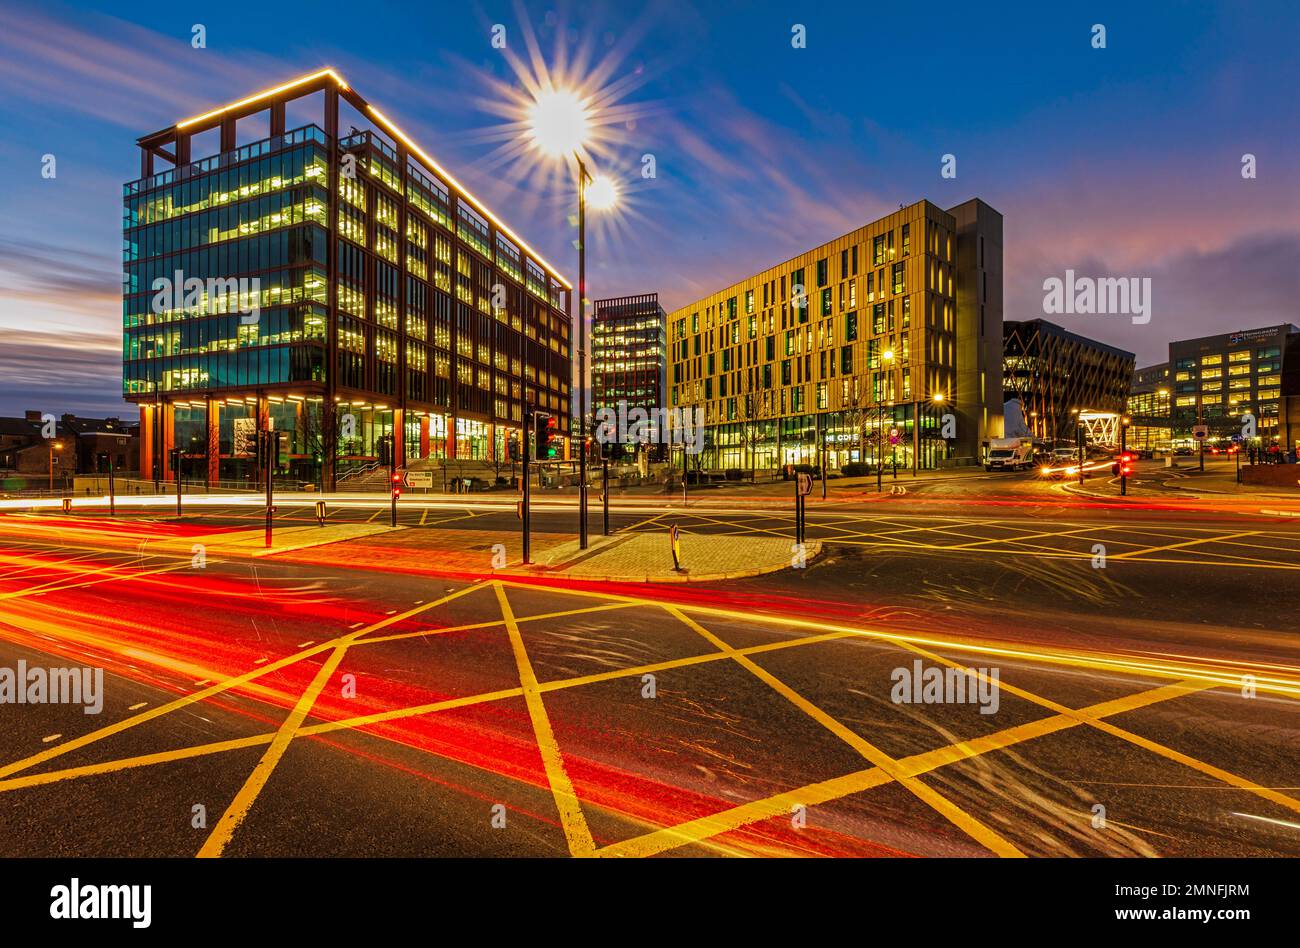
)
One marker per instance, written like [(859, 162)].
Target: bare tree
[(750, 414), (860, 407)]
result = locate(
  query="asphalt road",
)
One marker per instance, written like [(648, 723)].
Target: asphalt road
[(1147, 706)]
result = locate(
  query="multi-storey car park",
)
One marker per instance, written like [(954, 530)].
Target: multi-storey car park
[(350, 292), (885, 343)]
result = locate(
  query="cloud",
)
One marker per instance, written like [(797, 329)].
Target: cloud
[(38, 273), (1249, 283), (58, 372)]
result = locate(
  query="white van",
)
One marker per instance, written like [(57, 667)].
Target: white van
[(1010, 454)]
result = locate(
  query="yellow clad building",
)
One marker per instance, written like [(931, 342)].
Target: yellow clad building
[(885, 343)]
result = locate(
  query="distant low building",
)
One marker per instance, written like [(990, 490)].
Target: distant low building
[(78, 445)]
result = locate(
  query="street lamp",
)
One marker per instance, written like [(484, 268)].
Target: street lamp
[(937, 399), (54, 446), (888, 357), (559, 122)]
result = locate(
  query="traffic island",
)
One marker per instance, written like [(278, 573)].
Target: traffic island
[(648, 557), (252, 543)]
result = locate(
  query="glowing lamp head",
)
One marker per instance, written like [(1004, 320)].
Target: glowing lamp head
[(602, 193), (558, 121)]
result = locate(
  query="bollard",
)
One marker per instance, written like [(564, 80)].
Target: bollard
[(320, 512), (67, 505)]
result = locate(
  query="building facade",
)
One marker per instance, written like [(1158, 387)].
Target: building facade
[(629, 353), (1052, 373), (883, 344), (1226, 381), (337, 285)]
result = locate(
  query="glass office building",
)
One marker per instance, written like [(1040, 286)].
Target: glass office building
[(341, 288), (629, 353), (1225, 381), (1149, 407)]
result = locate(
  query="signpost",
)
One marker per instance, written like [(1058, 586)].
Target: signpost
[(803, 484), (1200, 433), (414, 479)]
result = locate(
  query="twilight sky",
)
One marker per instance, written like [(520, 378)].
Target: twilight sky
[(1121, 161)]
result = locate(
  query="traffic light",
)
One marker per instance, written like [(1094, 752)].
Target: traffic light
[(546, 430), (397, 485)]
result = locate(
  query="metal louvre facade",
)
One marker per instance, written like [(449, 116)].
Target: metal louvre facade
[(1053, 372)]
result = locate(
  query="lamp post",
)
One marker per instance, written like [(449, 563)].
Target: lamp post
[(888, 358), (583, 179), (938, 398), (54, 446), (559, 122)]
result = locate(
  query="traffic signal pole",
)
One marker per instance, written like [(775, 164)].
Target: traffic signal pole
[(1083, 452), (685, 494), (604, 491), (1123, 459), (271, 450), (523, 512)]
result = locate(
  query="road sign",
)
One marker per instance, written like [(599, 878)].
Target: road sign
[(805, 484), (893, 436), (1201, 432), (1236, 439), (417, 479)]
